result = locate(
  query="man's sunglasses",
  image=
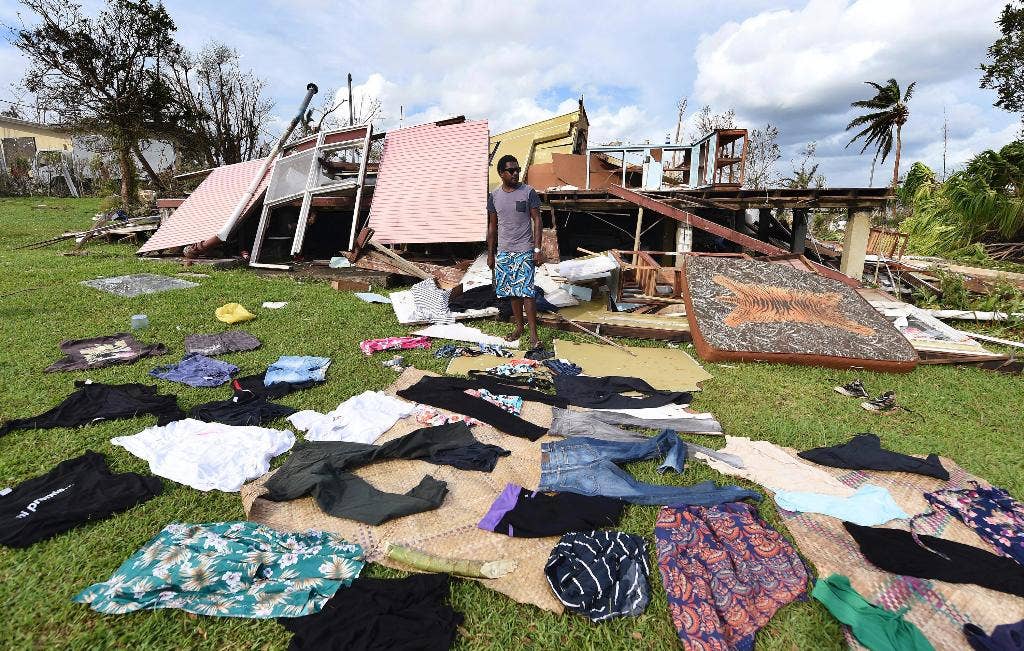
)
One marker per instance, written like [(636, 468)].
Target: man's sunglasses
[(513, 170)]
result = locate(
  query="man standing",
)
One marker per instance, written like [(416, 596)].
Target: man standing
[(513, 244)]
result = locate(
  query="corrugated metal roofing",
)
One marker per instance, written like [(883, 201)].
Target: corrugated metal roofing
[(432, 185), (207, 209)]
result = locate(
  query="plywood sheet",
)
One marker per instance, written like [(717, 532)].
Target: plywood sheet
[(669, 369)]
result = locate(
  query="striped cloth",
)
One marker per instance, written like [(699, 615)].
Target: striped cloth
[(431, 302), (600, 574)]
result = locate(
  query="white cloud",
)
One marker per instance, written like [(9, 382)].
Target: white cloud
[(817, 58), (800, 69), (797, 66)]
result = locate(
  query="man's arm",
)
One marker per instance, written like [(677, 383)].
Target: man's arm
[(492, 237), (538, 232)]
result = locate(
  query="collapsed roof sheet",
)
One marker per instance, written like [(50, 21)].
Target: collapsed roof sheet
[(207, 209), (432, 185)]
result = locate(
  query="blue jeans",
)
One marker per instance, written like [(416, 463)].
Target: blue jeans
[(588, 466)]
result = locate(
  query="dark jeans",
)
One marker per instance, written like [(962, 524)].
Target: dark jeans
[(588, 466)]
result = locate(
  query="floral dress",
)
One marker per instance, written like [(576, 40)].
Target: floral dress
[(991, 512), (230, 569)]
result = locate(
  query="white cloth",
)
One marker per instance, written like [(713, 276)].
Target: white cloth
[(208, 456), (274, 305), (460, 332), (360, 419), (776, 469), (599, 266), (669, 412)]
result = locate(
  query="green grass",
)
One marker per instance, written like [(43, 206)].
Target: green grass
[(970, 415)]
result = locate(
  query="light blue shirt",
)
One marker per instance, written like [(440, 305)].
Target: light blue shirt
[(870, 506), (296, 369)]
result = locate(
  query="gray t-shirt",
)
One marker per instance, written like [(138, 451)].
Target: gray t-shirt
[(515, 231)]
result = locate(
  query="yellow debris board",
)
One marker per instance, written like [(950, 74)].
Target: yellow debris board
[(669, 369)]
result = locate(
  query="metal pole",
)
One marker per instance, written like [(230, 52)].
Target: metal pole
[(587, 184), (351, 110), (236, 214)]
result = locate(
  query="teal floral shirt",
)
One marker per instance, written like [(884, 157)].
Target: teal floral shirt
[(230, 569)]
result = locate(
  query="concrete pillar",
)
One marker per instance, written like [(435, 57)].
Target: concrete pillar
[(855, 245), (684, 241)]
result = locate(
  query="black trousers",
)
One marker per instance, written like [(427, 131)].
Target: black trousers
[(448, 393)]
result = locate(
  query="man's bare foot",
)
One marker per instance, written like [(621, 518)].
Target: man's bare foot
[(514, 335), (535, 344)]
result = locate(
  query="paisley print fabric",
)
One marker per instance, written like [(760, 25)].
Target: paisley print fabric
[(230, 569), (513, 275), (991, 512), (726, 572)]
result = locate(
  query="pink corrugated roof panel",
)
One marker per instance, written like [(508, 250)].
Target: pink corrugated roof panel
[(207, 209), (432, 185)]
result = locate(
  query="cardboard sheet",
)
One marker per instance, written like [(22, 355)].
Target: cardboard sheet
[(669, 369)]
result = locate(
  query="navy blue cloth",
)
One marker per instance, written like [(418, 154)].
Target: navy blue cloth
[(588, 466), (600, 574), (196, 370), (562, 367), (1005, 637), (865, 452)]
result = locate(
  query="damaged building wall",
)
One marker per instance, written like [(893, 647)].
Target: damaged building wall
[(534, 144)]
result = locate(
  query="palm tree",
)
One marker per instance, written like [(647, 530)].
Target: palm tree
[(889, 113)]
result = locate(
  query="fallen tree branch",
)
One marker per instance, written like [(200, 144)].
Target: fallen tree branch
[(458, 566)]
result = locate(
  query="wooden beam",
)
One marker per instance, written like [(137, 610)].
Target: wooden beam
[(400, 262), (639, 230), (722, 231), (799, 238)]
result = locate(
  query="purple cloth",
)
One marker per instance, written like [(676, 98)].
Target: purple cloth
[(505, 502)]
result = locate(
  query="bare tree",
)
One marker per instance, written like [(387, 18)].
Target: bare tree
[(805, 173), (762, 153), (329, 115), (228, 111), (101, 75), (705, 122)]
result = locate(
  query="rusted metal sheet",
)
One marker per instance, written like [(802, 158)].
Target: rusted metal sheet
[(432, 185), (204, 213)]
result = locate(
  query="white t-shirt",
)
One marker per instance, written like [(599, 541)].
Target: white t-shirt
[(208, 456), (360, 419)]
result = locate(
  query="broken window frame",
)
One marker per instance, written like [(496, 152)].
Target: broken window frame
[(704, 161), (322, 143)]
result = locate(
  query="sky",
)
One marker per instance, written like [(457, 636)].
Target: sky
[(795, 65)]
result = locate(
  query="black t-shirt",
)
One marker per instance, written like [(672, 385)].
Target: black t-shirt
[(72, 493)]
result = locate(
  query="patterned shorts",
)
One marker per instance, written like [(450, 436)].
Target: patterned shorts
[(513, 275)]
